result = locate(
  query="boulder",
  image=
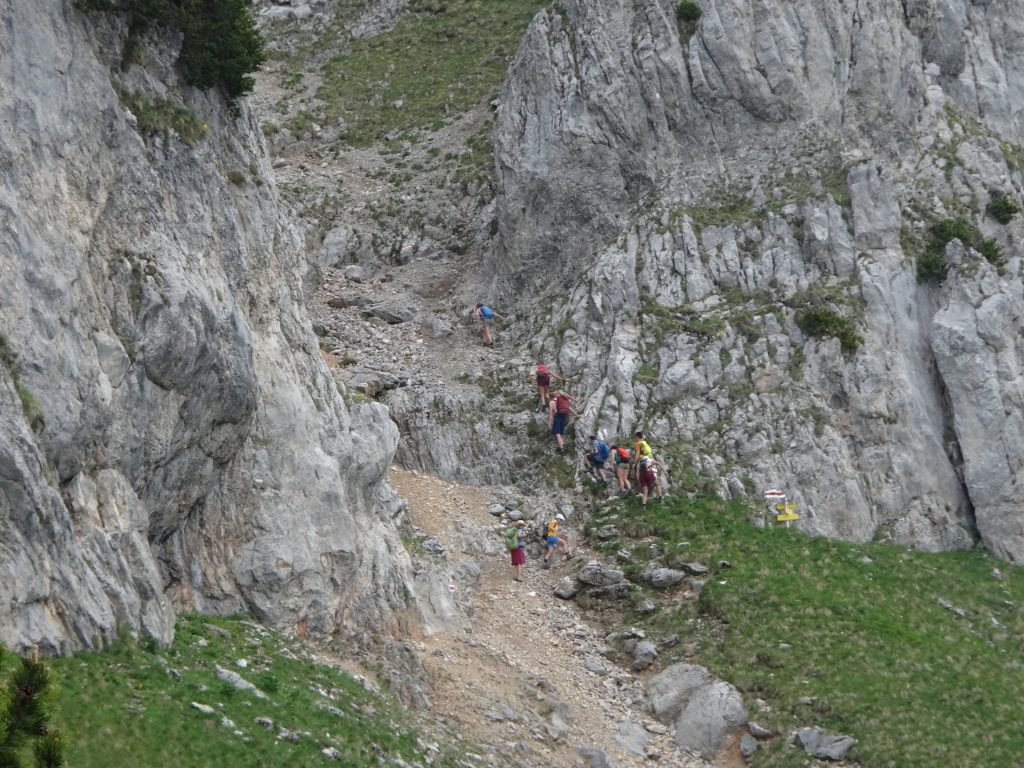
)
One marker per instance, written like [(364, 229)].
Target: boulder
[(670, 690), (663, 578), (632, 737), (598, 575), (644, 654), (567, 588), (711, 715), (823, 745)]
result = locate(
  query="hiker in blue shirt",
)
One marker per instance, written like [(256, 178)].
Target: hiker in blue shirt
[(594, 461), (484, 315)]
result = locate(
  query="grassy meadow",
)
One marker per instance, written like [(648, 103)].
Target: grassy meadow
[(919, 657), (125, 706)]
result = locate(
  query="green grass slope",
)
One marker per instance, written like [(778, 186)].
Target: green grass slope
[(124, 706), (442, 58), (918, 656)]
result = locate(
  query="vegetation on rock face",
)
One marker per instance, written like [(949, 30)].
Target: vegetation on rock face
[(132, 704), (221, 46), (931, 266), (163, 116), (1002, 208), (25, 697), (823, 321), (916, 655), (688, 13)]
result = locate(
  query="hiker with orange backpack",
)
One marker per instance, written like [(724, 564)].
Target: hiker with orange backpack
[(620, 461), (559, 410)]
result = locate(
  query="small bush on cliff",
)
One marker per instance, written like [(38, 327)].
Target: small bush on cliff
[(930, 264), (25, 717), (822, 321), (688, 13), (221, 46), (1002, 208)]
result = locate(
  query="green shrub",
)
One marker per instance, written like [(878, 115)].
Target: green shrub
[(822, 321), (947, 230), (220, 47), (1002, 208), (688, 12), (930, 264), (992, 252)]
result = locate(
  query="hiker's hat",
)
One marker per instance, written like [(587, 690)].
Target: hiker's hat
[(520, 523), (560, 516)]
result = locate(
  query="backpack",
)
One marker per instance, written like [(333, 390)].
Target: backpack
[(512, 538), (602, 450), (623, 454), (486, 312), (562, 404)]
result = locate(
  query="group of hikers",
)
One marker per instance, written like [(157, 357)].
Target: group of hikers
[(630, 466), (634, 468)]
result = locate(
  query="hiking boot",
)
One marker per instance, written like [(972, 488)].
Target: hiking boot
[(546, 564)]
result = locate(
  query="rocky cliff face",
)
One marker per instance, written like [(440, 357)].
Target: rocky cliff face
[(170, 437), (724, 200)]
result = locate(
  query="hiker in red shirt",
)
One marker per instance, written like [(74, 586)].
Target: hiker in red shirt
[(559, 410), (544, 379)]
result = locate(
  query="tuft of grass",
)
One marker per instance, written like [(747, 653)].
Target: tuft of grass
[(824, 321), (439, 61), (163, 116), (915, 655), (122, 706)]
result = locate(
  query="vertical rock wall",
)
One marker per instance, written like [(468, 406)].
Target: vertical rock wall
[(170, 437), (692, 189)]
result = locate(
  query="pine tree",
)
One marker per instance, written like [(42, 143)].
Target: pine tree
[(25, 717)]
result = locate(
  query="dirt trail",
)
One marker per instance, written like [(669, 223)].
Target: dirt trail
[(527, 654)]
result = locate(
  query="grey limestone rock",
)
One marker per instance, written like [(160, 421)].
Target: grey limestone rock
[(632, 737), (187, 448), (598, 575), (711, 715), (235, 680), (819, 743), (663, 578), (616, 137), (644, 654), (595, 758), (670, 690), (567, 588)]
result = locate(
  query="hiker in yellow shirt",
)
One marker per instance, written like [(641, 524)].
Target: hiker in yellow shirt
[(553, 537)]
